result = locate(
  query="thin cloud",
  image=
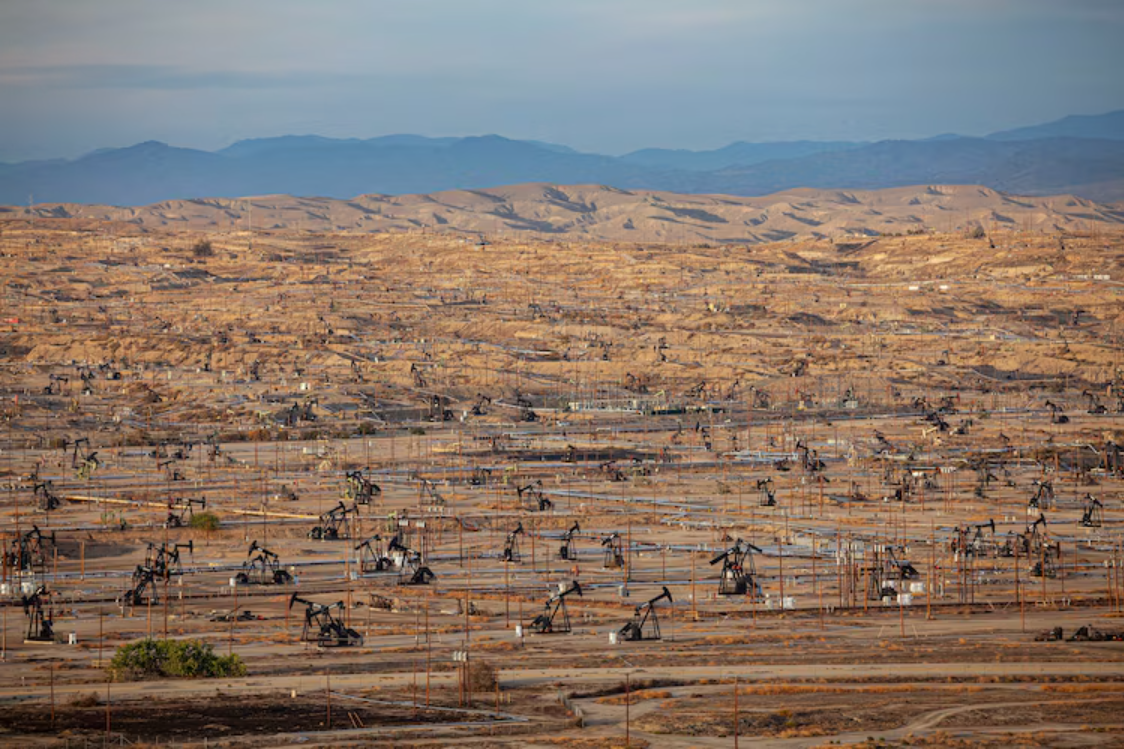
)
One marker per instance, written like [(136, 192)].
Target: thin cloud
[(607, 76), (164, 78)]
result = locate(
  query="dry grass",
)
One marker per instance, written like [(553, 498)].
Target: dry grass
[(633, 698)]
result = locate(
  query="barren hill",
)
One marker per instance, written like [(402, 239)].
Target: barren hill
[(603, 213)]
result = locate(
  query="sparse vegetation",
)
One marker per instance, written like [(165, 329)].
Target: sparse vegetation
[(205, 521), (190, 659)]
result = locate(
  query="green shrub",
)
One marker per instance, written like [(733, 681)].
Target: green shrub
[(189, 659), (205, 521)]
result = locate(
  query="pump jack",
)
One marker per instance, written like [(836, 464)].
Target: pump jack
[(143, 579), (165, 560), (322, 627), (160, 562), (214, 447), (738, 576), (1057, 415), (480, 408), (768, 494), (1043, 495), (439, 409), (335, 524), (645, 624), (566, 550), (427, 489), (1034, 543), (89, 459), (181, 510), (888, 573), (411, 569), (536, 499), (55, 385), (263, 568), (809, 458), (40, 616), (610, 469), (511, 546), (1092, 512), (979, 544), (1045, 555), (526, 410), (614, 554), (28, 552), (360, 489), (1095, 406), (1113, 455), (1023, 541), (372, 557), (545, 623), (171, 473), (48, 500)]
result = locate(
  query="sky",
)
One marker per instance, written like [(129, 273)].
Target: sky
[(606, 76)]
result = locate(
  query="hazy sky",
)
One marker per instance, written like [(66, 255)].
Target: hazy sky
[(599, 75)]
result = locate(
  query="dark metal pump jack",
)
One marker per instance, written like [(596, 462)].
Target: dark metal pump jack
[(972, 540), (40, 616), (181, 510), (614, 553), (738, 576), (532, 497), (335, 524), (360, 489), (645, 624), (322, 627), (555, 619), (411, 569), (511, 545), (1092, 512), (887, 574), (262, 567), (372, 556), (28, 551), (566, 550), (48, 500)]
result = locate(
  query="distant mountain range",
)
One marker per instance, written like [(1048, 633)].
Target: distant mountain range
[(1083, 156)]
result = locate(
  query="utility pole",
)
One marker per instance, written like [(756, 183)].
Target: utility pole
[(736, 717), (627, 711)]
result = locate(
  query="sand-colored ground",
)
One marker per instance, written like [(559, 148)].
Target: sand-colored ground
[(666, 381), (598, 213)]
